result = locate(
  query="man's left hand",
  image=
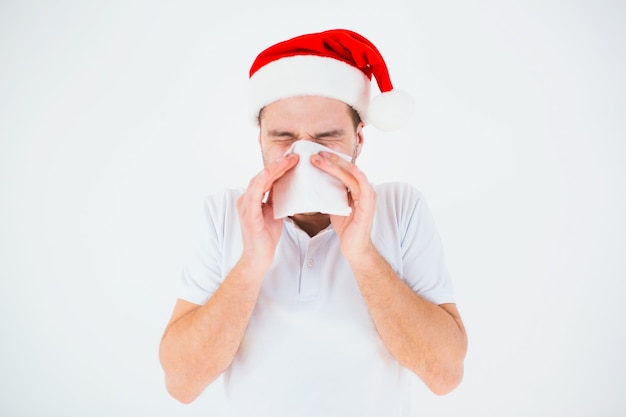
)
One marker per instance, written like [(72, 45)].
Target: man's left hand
[(354, 231)]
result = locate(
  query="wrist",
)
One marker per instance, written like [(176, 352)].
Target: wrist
[(361, 255), (254, 267)]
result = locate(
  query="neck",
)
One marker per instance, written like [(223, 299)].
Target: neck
[(311, 223)]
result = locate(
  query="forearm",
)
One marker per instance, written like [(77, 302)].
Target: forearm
[(422, 336), (200, 345)]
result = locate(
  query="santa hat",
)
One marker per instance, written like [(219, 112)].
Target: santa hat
[(338, 64)]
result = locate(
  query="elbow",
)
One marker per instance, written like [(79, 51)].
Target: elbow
[(186, 385), (178, 386), (183, 397), (441, 374), (445, 381), (177, 382), (180, 392), (446, 374)]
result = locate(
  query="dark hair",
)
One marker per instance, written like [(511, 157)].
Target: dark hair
[(356, 117)]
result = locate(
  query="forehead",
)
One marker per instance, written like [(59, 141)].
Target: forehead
[(306, 110)]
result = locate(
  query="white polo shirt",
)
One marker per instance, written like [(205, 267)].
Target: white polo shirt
[(311, 348)]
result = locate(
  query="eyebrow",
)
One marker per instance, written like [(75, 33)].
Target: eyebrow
[(335, 133)]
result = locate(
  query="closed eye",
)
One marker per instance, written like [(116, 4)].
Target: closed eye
[(281, 135), (336, 134)]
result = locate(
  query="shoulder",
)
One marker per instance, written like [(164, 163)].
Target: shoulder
[(398, 195), (222, 205), (223, 198), (403, 206)]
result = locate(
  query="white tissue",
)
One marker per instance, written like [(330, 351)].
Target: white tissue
[(307, 189)]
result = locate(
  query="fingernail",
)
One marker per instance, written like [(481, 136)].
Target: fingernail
[(279, 160), (325, 154)]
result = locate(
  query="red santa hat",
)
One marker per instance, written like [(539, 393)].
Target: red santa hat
[(336, 63)]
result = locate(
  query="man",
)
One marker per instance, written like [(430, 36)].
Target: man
[(316, 314)]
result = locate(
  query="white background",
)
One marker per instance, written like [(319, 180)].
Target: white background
[(117, 119)]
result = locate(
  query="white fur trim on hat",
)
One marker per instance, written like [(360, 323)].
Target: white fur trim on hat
[(308, 75)]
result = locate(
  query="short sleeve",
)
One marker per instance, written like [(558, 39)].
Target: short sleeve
[(406, 235), (203, 272), (423, 256)]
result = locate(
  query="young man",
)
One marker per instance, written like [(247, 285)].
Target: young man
[(316, 314)]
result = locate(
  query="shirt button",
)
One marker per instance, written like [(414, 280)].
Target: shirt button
[(310, 263)]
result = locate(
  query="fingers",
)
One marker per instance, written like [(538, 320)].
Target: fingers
[(249, 203), (348, 173), (262, 182)]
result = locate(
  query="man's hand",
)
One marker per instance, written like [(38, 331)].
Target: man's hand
[(201, 341), (426, 338), (354, 231), (260, 231)]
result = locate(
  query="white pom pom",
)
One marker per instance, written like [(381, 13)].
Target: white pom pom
[(391, 110)]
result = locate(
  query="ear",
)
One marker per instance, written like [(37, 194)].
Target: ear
[(259, 129), (359, 139), (260, 139)]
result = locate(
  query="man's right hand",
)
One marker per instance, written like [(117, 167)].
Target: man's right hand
[(201, 341), (260, 231)]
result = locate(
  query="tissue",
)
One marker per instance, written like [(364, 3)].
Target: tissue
[(307, 189)]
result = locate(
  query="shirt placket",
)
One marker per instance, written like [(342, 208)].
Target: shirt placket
[(312, 262)]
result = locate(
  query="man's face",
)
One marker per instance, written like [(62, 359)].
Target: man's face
[(319, 119)]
